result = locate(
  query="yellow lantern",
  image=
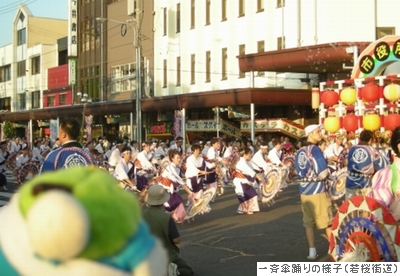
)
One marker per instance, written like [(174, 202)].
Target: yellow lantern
[(315, 98), (331, 124), (391, 92), (348, 95), (371, 122)]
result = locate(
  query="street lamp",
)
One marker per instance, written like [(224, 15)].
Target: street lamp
[(138, 73), (85, 99)]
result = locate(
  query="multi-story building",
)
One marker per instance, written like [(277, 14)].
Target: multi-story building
[(25, 62), (279, 44)]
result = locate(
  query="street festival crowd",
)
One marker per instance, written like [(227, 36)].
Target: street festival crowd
[(257, 170)]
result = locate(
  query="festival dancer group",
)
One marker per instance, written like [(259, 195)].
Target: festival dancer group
[(369, 189)]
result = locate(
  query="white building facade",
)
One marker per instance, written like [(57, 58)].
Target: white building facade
[(196, 43)]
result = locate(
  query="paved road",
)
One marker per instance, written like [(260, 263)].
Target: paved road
[(11, 188), (225, 243)]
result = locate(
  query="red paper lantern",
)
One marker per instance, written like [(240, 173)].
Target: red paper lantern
[(330, 98), (370, 92), (392, 121), (350, 122)]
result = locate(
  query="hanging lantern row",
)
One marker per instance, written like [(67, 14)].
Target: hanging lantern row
[(371, 122), (369, 94)]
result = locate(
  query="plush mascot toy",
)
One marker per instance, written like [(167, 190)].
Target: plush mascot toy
[(77, 222)]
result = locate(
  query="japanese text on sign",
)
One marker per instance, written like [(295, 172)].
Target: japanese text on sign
[(304, 268)]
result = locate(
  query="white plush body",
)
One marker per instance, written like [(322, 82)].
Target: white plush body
[(16, 238)]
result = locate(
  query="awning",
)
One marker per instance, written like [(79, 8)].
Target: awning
[(322, 58), (94, 109), (233, 97)]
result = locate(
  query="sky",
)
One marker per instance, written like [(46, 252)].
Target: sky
[(39, 8)]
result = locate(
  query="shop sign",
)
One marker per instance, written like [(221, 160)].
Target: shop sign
[(72, 71), (73, 28), (377, 56), (273, 125), (211, 125), (43, 123), (203, 125), (164, 128)]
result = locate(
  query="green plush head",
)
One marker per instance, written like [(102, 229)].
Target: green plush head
[(114, 214)]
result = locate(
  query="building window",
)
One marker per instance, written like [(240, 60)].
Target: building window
[(21, 101), (242, 51), (21, 36), (178, 18), (241, 8), (223, 9), (178, 71), (384, 31), (21, 68), (280, 3), (260, 5), (51, 100), (281, 43), (5, 73), (35, 65), (192, 69), (165, 73), (260, 49), (35, 99), (208, 66), (192, 14), (62, 99), (122, 78), (208, 6), (165, 20), (5, 103), (224, 63)]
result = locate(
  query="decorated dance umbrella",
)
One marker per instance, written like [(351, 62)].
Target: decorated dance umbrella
[(27, 171), (337, 186), (348, 96), (342, 158), (271, 186), (10, 164), (364, 230), (201, 205), (289, 162)]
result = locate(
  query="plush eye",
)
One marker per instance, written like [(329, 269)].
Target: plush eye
[(58, 226)]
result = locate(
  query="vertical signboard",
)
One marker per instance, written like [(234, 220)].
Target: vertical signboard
[(88, 127), (53, 131), (72, 71), (73, 28), (177, 129)]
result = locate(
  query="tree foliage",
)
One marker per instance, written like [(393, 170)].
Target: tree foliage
[(8, 129)]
